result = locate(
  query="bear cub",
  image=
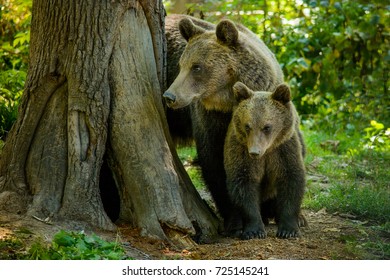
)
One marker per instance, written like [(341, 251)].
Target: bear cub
[(263, 160)]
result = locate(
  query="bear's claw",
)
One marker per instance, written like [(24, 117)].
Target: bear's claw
[(283, 233), (246, 235)]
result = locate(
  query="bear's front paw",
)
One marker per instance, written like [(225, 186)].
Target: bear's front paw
[(284, 232), (253, 232)]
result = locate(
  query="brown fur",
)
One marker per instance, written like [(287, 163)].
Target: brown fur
[(212, 62), (264, 161)]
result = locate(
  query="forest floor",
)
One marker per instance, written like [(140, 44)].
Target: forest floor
[(328, 236)]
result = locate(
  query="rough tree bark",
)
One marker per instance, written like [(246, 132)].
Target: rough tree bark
[(93, 93)]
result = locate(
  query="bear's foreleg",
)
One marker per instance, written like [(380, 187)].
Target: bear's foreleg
[(245, 196), (290, 184), (214, 176)]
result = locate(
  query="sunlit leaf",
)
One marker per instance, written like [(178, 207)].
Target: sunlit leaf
[(377, 125)]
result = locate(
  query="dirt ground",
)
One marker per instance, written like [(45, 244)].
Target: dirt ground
[(327, 237)]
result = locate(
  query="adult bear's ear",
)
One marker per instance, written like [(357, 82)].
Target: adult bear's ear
[(282, 94), (241, 91), (188, 29), (227, 33)]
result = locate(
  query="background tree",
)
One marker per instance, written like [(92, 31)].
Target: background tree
[(93, 94)]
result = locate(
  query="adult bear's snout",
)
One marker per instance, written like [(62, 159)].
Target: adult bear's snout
[(169, 97)]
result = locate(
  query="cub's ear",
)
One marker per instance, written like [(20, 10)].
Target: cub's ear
[(227, 33), (282, 94), (241, 91), (188, 29)]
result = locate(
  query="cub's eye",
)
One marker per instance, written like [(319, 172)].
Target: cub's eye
[(247, 128), (267, 129), (196, 68)]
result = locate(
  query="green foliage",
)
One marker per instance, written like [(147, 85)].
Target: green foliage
[(11, 89), (76, 246), (337, 63), (377, 137), (15, 17), (187, 154), (64, 246)]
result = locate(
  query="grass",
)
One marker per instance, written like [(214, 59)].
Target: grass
[(188, 157), (358, 179), (187, 154)]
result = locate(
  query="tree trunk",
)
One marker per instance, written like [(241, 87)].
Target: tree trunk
[(93, 93)]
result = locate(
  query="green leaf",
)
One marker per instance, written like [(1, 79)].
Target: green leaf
[(63, 239), (376, 125)]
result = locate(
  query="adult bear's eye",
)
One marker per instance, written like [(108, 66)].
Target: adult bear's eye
[(196, 68), (267, 129), (247, 128)]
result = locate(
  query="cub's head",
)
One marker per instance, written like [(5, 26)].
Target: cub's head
[(263, 120), (207, 67)]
